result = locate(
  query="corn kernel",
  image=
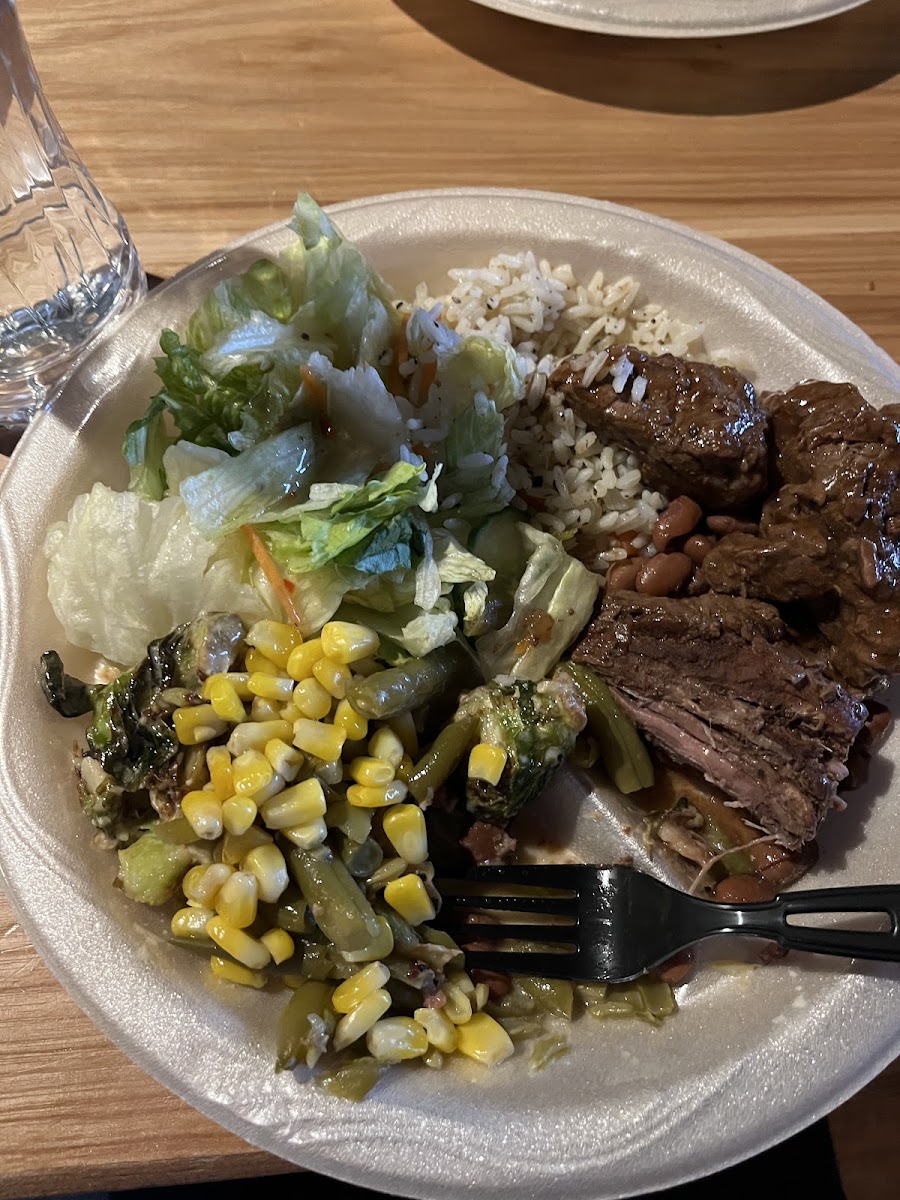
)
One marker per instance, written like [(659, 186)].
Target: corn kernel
[(297, 805), (197, 723), (311, 700), (202, 883), (239, 813), (203, 812), (457, 1005), (253, 735), (265, 710), (463, 982), (290, 713), (218, 763), (361, 1020), (384, 743), (237, 899), (285, 759), (271, 687), (380, 946), (485, 1040), (433, 1059), (235, 846), (404, 826), (302, 659), (347, 718), (272, 788), (190, 924), (225, 701), (279, 944), (313, 833), (487, 762), (251, 771), (237, 679), (345, 642), (394, 1039), (240, 945), (371, 772), (354, 990), (274, 639), (440, 1031), (232, 972), (333, 677), (255, 660), (405, 728), (321, 741), (482, 995), (268, 865), (361, 796), (408, 897)]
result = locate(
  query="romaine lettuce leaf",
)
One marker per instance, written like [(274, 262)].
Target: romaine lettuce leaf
[(123, 571), (309, 535), (238, 490), (475, 461), (553, 585), (334, 290)]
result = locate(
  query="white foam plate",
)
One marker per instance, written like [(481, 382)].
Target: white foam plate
[(750, 1059), (674, 18)]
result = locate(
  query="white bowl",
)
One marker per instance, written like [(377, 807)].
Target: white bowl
[(749, 1060)]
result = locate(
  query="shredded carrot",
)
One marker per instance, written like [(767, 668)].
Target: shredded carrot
[(316, 387), (270, 570)]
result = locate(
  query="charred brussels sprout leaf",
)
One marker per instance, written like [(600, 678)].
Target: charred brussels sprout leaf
[(536, 724)]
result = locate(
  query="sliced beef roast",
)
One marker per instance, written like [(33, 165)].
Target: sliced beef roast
[(713, 681), (829, 538), (697, 428)]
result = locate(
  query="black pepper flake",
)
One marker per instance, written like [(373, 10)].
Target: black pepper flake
[(398, 304), (305, 336)]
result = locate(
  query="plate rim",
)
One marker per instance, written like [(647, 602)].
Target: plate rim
[(852, 1079), (525, 10)]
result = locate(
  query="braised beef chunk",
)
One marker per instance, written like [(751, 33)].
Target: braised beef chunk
[(828, 538), (697, 428), (714, 682)]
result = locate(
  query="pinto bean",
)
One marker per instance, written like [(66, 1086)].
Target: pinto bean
[(621, 576), (676, 521), (698, 546), (743, 889), (663, 574), (677, 969), (724, 524)]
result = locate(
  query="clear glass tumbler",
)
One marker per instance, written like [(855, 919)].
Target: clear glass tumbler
[(67, 264)]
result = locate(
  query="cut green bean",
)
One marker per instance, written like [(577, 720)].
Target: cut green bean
[(354, 1080), (446, 753), (623, 753), (304, 1026), (401, 689), (555, 996), (338, 905)]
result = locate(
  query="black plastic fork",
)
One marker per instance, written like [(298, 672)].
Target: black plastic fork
[(611, 924)]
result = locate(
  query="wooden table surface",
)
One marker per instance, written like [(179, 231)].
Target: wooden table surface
[(201, 119)]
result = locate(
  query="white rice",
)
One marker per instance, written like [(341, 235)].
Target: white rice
[(573, 484)]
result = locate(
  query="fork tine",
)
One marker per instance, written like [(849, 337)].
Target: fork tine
[(552, 905), (553, 875), (552, 966), (459, 930)]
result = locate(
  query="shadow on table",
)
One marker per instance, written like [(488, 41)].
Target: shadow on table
[(791, 68)]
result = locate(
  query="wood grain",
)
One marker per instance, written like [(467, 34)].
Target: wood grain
[(202, 119)]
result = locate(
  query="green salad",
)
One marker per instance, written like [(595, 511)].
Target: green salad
[(337, 660)]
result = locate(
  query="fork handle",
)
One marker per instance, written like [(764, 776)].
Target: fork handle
[(770, 919)]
